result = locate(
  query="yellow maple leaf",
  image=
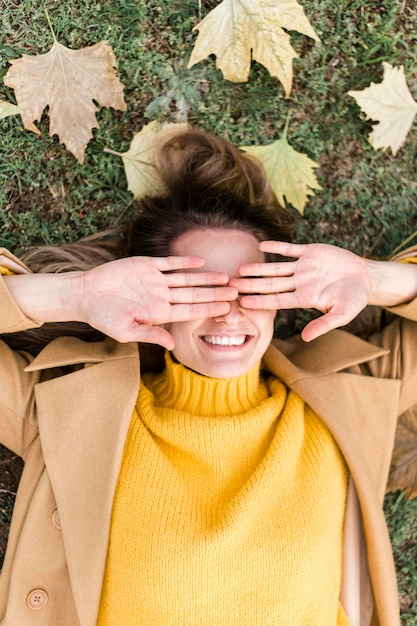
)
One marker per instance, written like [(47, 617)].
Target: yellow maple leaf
[(67, 81), (237, 31), (391, 104), (290, 173), (7, 108), (142, 177)]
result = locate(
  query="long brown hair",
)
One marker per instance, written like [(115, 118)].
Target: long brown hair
[(209, 183)]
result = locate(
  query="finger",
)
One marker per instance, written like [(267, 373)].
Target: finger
[(316, 328), (267, 269), (186, 312), (192, 295), (195, 279), (323, 325), (274, 301), (249, 286), (137, 331), (151, 334), (284, 248)]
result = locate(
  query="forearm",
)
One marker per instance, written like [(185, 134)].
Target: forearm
[(391, 283), (46, 297)]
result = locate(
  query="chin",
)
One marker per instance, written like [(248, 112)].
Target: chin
[(223, 371)]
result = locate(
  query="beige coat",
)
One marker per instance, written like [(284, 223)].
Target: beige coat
[(67, 412)]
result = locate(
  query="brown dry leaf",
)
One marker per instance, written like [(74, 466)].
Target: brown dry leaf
[(7, 108), (391, 104), (290, 173), (237, 31), (403, 472), (141, 174), (67, 81)]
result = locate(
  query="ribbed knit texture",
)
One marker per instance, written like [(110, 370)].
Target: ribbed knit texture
[(5, 271), (228, 511)]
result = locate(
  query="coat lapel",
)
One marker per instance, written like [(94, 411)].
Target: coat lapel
[(83, 421), (360, 411)]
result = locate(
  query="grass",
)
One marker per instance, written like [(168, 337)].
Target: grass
[(401, 516), (368, 201)]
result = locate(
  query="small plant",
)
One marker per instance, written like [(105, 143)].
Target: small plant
[(183, 90)]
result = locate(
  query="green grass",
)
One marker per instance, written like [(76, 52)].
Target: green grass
[(401, 515), (368, 201)]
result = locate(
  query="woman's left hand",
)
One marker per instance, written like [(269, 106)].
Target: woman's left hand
[(332, 280)]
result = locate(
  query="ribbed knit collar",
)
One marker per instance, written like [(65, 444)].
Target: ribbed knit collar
[(180, 388)]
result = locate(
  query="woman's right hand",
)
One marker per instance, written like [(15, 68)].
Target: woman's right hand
[(129, 299)]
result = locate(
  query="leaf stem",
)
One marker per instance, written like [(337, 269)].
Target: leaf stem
[(112, 152), (287, 123), (124, 156), (50, 24)]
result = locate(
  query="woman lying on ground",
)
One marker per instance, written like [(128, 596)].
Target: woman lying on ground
[(231, 479)]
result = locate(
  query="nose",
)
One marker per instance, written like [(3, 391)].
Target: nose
[(234, 316)]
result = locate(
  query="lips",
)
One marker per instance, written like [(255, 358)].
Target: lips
[(225, 340)]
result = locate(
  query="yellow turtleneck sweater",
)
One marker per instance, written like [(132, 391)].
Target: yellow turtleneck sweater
[(229, 508)]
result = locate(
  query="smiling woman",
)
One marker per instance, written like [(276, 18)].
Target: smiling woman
[(232, 479), (231, 344)]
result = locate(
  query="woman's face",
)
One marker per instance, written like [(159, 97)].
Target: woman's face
[(231, 344)]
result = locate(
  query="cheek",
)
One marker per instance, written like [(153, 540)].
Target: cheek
[(184, 336), (267, 330), (178, 328), (265, 322)]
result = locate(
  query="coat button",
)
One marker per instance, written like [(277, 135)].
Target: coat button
[(56, 521), (37, 599)]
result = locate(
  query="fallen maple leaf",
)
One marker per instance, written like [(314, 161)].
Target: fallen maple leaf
[(67, 81), (391, 104), (142, 177), (403, 472), (237, 31), (7, 108), (290, 173)]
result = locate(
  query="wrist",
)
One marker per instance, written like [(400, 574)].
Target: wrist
[(390, 283), (47, 297)]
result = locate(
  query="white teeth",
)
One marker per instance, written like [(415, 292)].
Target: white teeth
[(224, 341)]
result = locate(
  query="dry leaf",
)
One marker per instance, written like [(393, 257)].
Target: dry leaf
[(67, 81), (391, 104), (7, 108), (237, 31), (141, 174), (403, 472), (290, 173)]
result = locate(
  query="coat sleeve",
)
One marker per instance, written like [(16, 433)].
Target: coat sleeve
[(12, 319), (17, 416), (400, 338)]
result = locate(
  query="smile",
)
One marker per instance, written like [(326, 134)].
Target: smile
[(221, 340)]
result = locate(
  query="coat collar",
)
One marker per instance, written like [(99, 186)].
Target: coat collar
[(333, 352), (95, 421), (359, 410), (72, 351)]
